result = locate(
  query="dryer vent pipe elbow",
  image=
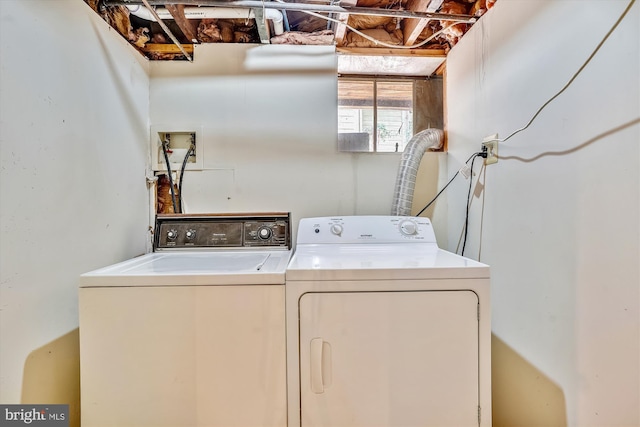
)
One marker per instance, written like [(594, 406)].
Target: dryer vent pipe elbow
[(408, 170)]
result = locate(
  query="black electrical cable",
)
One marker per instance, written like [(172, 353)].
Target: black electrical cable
[(466, 219), (575, 75), (184, 165), (173, 193), (450, 181)]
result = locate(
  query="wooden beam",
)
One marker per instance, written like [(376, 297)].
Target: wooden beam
[(186, 26), (167, 30), (341, 29), (413, 27), (441, 70), (377, 51), (308, 7), (166, 48)]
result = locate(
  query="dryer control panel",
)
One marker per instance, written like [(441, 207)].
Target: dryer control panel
[(206, 231), (365, 229)]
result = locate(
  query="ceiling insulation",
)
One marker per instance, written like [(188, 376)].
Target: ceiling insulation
[(384, 37)]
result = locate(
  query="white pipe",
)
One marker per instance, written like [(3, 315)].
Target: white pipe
[(211, 12), (276, 20)]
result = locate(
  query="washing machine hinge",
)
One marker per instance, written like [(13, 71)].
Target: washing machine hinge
[(479, 416)]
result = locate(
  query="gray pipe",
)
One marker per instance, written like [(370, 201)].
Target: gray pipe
[(408, 170)]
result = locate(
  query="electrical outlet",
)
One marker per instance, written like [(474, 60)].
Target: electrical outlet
[(490, 145)]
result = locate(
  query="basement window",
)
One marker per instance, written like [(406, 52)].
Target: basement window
[(395, 108)]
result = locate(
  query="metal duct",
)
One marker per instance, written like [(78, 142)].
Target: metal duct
[(408, 170)]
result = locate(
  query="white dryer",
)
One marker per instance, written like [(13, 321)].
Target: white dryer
[(192, 334), (384, 328)]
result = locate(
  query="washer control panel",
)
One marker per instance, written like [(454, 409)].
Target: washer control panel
[(222, 231), (365, 229)]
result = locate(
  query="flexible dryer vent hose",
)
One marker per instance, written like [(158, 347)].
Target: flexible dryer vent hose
[(408, 170)]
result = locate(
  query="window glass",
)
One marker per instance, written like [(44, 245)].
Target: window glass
[(374, 115), (355, 115), (395, 115)]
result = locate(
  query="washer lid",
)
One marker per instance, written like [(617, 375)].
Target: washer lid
[(193, 268), (381, 262)]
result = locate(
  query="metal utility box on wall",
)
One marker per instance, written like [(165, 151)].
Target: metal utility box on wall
[(429, 93), (353, 141)]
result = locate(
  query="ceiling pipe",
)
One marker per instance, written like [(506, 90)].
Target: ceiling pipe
[(275, 16), (304, 7)]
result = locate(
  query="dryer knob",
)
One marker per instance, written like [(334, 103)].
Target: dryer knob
[(408, 228), (172, 234), (336, 229)]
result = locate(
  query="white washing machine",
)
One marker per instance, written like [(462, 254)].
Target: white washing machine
[(192, 334), (384, 328)]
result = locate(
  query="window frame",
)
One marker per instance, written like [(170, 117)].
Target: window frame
[(428, 105), (374, 99)]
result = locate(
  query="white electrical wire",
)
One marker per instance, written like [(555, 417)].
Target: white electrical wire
[(575, 75)]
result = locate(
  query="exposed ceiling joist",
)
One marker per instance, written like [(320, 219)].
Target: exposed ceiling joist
[(303, 7), (160, 49), (408, 37), (186, 25), (435, 53), (413, 27), (167, 31), (341, 29)]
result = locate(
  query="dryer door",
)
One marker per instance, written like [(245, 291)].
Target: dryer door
[(389, 359)]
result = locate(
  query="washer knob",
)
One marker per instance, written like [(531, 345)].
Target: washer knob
[(172, 234), (191, 234), (336, 229), (408, 228), (264, 233)]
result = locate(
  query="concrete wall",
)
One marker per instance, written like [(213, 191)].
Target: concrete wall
[(557, 218), (73, 150)]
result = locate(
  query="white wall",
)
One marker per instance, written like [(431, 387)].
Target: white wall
[(561, 208), (268, 116), (74, 146)]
